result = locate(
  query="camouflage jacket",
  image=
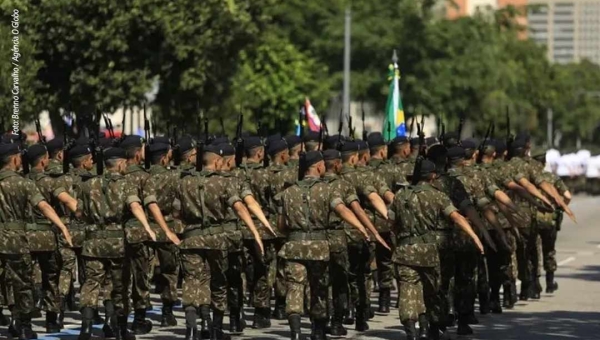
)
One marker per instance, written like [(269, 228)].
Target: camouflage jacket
[(496, 172), (393, 174), (416, 211), (339, 230), (17, 196), (161, 188), (366, 182), (283, 177), (306, 207), (134, 231), (41, 233), (207, 200), (106, 206)]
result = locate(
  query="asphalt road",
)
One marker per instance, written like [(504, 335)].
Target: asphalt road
[(573, 312)]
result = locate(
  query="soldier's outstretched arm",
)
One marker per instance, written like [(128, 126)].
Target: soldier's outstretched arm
[(551, 190), (160, 220), (389, 196), (463, 224), (242, 212), (473, 216), (50, 214), (491, 217), (68, 201), (519, 190), (347, 215), (378, 204), (257, 211), (364, 219), (525, 183), (138, 212), (515, 219), (502, 198)]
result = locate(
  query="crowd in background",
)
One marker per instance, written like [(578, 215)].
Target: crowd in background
[(580, 170)]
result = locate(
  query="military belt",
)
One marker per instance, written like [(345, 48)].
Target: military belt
[(193, 230), (13, 226), (106, 234), (39, 226), (427, 238), (314, 235)]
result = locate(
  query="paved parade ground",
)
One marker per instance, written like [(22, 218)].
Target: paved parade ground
[(573, 312)]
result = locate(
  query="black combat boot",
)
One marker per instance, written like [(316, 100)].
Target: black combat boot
[(52, 325), (24, 328), (350, 313), (551, 285), (4, 321), (410, 329), (71, 300), (205, 322), (13, 328), (262, 318), (463, 325), (362, 316), (191, 328), (451, 317), (525, 291), (123, 333), (235, 321), (337, 318), (87, 322), (434, 331), (508, 299), (148, 303), (384, 300), (279, 311), (484, 302), (109, 313), (167, 318), (217, 327), (495, 305), (97, 318), (319, 330), (61, 314), (38, 299), (140, 325), (535, 289), (295, 326), (423, 327)]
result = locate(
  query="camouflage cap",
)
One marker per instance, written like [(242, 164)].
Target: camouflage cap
[(115, 153), (35, 151), (9, 149)]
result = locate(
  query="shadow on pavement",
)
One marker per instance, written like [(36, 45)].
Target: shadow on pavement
[(587, 273)]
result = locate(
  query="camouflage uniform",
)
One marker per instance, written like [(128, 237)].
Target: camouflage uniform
[(417, 211), (305, 208), (136, 248), (161, 188), (41, 235), (17, 194)]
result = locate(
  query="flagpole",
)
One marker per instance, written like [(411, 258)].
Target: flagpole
[(346, 103)]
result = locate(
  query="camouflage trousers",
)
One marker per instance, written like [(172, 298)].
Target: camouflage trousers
[(360, 256), (499, 264), (280, 285), (233, 281), (339, 267), (527, 255), (447, 270), (300, 274), (465, 282), (385, 267), (261, 279), (49, 262), (548, 241), (68, 269), (96, 272), (18, 283), (168, 261), (418, 290), (137, 270)]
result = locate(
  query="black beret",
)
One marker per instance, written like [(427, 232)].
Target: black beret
[(469, 143), (156, 149), (186, 144), (35, 151), (220, 140), (451, 139), (114, 153), (252, 142), (430, 141), (399, 140), (523, 135), (161, 139), (8, 149), (313, 157), (277, 146), (436, 152), (518, 144), (54, 145), (488, 144), (375, 139), (500, 146), (292, 140), (11, 138), (331, 141), (414, 142), (79, 150), (349, 147), (456, 152), (82, 141), (105, 142), (311, 136), (362, 145), (331, 154), (131, 141), (214, 149), (274, 137), (227, 149), (427, 167)]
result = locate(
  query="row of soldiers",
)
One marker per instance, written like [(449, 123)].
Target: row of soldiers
[(294, 214)]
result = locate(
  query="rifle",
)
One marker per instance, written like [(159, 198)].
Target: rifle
[(66, 147), (364, 134), (324, 124), (391, 150), (350, 128), (461, 122), (24, 160), (340, 128), (123, 121), (176, 149), (222, 126), (482, 145), (38, 128), (412, 125), (509, 137), (302, 161), (416, 176), (239, 141), (147, 137), (320, 138), (109, 127)]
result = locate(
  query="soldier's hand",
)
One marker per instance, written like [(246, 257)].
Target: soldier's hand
[(382, 242), (261, 247), (173, 238), (480, 246), (268, 226), (152, 235), (68, 238)]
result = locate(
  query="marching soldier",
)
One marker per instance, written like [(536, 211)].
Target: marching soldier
[(19, 195)]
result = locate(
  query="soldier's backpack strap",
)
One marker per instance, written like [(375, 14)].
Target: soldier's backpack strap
[(306, 198), (202, 189), (411, 206)]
